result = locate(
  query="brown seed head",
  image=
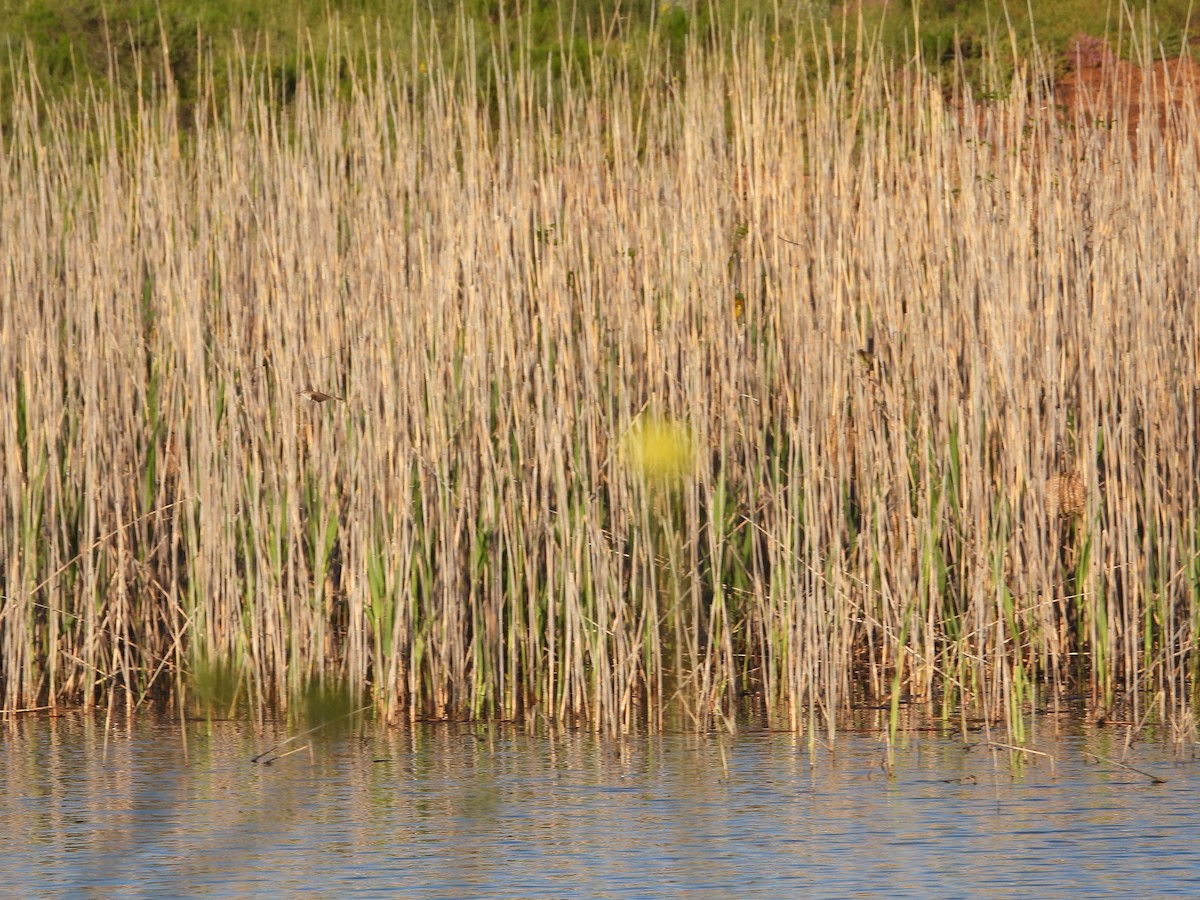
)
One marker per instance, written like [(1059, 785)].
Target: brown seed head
[(1067, 496)]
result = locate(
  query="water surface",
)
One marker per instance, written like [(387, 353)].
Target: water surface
[(153, 808)]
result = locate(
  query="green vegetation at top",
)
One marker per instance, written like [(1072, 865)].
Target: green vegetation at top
[(117, 45)]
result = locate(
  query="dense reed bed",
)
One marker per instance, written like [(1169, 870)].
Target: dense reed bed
[(776, 386)]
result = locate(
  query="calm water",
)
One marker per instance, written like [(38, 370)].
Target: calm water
[(468, 812)]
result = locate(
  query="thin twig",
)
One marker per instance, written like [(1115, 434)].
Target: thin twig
[(1014, 748), (309, 731), (1120, 765)]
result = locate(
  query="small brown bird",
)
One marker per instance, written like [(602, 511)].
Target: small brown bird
[(317, 396)]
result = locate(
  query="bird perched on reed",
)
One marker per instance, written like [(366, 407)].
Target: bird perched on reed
[(317, 396)]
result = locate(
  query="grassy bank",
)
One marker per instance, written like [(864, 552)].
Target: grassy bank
[(115, 45), (770, 386)]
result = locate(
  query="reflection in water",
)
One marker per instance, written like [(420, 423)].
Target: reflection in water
[(475, 811)]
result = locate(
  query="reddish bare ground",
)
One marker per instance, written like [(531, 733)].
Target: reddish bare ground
[(1112, 91)]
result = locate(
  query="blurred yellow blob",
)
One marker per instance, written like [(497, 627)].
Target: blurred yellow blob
[(659, 449)]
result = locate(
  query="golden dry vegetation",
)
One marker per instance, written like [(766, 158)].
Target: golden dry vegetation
[(764, 387)]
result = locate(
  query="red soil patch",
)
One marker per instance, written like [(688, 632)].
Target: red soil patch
[(1110, 91)]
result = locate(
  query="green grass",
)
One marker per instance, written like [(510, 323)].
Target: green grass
[(117, 47)]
